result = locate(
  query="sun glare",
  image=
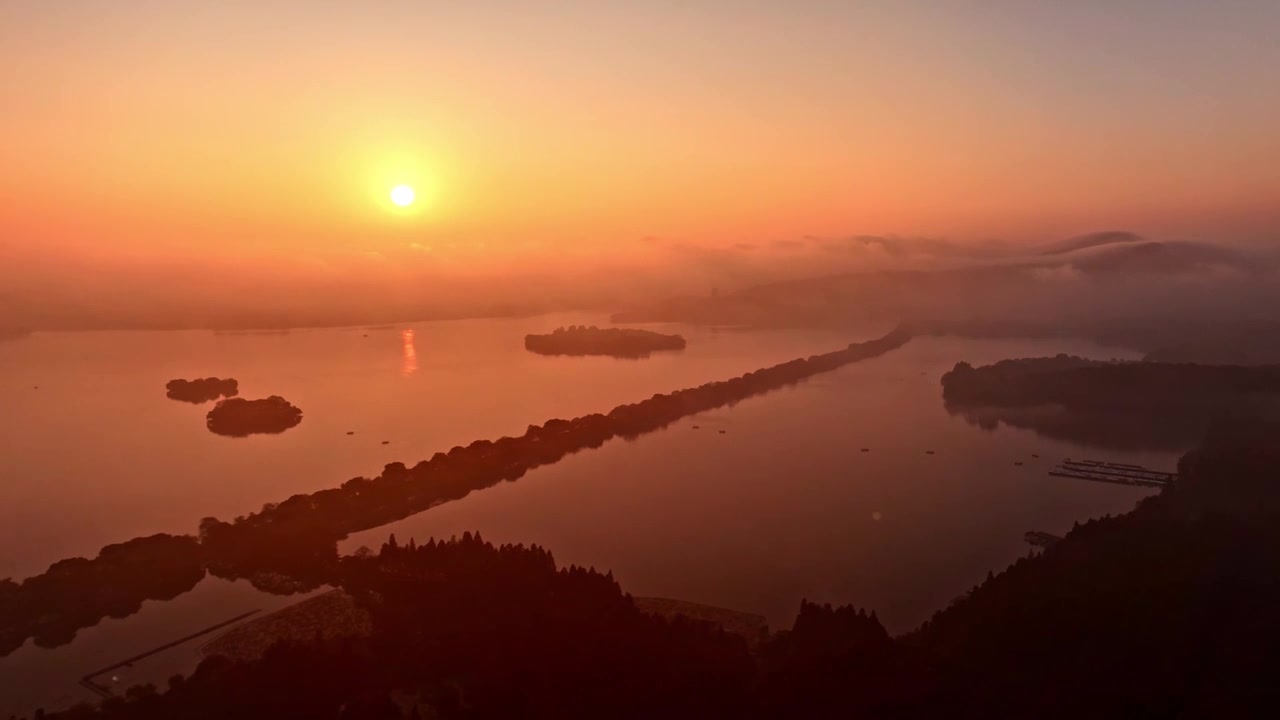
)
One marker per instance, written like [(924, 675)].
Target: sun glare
[(402, 195)]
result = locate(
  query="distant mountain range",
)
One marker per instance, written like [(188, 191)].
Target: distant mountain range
[(1126, 252)]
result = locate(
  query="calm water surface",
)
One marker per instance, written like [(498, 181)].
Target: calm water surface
[(97, 454), (782, 505)]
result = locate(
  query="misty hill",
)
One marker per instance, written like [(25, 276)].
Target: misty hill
[(844, 299), (618, 342), (1116, 288), (1092, 240), (1120, 250), (1149, 256)]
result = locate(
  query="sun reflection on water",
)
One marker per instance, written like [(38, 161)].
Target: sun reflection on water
[(409, 364)]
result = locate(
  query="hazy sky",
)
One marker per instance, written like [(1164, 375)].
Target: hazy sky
[(233, 128)]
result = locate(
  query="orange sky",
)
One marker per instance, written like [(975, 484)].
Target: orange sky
[(238, 128)]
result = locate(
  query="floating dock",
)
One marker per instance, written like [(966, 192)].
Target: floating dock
[(88, 681), (1115, 473)]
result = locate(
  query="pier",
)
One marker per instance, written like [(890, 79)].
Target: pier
[(88, 680), (1115, 473)]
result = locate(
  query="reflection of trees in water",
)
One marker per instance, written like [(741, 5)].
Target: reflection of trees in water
[(1113, 405), (78, 593), (291, 546), (1109, 430)]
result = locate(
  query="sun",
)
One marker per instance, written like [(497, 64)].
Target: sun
[(402, 195)]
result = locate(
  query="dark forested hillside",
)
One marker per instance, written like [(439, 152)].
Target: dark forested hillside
[(1167, 611)]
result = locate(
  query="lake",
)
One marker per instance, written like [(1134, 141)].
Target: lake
[(781, 505)]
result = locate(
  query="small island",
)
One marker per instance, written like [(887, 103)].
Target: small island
[(237, 417), (202, 390), (618, 342)]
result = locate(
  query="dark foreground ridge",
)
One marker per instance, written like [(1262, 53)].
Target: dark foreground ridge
[(292, 546), (1167, 611), (201, 390), (618, 342), (238, 417), (1123, 405)]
